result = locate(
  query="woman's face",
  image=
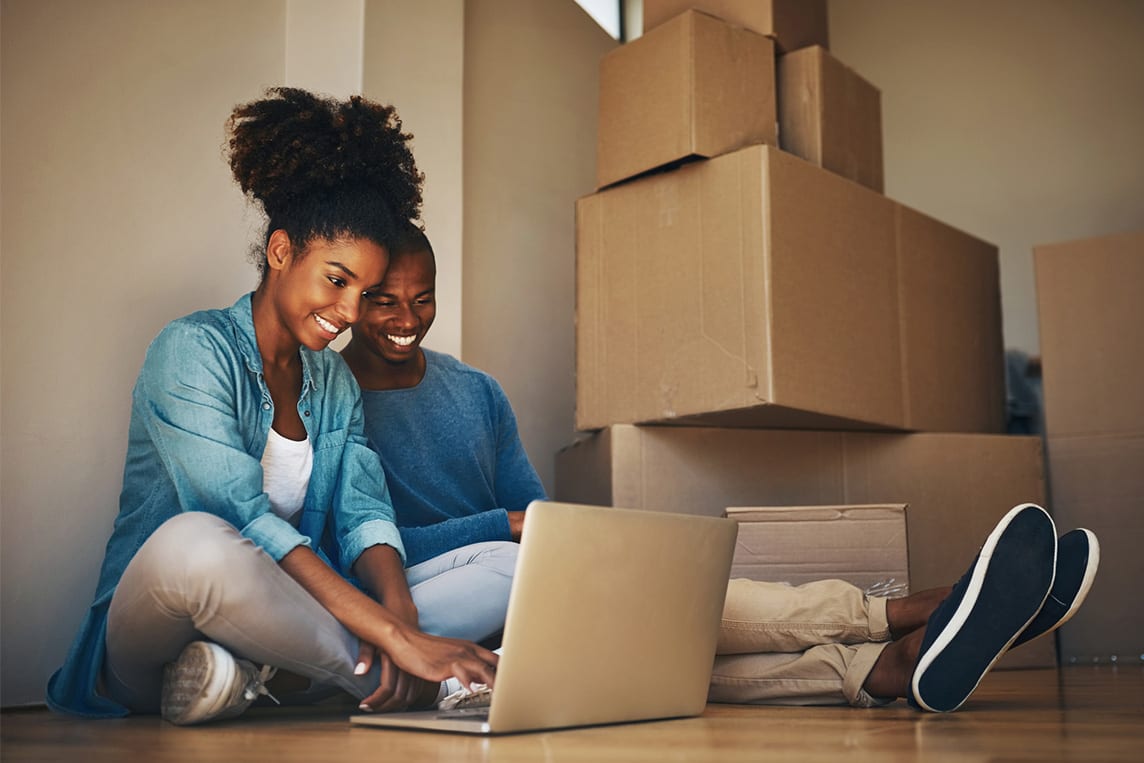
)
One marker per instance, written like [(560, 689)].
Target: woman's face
[(321, 291), (399, 313)]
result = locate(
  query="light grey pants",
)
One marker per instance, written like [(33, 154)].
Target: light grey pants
[(197, 577), (812, 644)]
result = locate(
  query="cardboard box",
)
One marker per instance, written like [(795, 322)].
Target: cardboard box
[(949, 287), (792, 23), (1091, 314), (694, 87), (830, 116), (758, 290), (956, 485), (864, 545)]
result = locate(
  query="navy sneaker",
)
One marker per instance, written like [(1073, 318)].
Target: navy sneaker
[(1078, 556), (994, 601)]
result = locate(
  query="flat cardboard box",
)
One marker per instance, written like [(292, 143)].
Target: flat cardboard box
[(1091, 314), (694, 87), (792, 23), (956, 485), (863, 545), (1097, 482), (758, 290), (830, 116)]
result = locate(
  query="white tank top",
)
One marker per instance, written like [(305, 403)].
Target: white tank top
[(286, 467)]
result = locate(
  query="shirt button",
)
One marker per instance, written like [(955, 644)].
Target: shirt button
[(307, 413), (266, 406)]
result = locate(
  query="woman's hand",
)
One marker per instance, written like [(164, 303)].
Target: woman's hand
[(379, 627), (396, 690), (434, 659)]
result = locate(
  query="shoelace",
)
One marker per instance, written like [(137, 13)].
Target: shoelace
[(257, 685)]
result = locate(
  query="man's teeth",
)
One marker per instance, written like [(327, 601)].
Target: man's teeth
[(326, 325), (401, 341)]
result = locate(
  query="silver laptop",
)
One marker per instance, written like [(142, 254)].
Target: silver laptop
[(613, 617)]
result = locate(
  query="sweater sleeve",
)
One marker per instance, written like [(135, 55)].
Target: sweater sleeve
[(424, 543)]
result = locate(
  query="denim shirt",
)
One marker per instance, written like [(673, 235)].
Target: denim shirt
[(200, 417)]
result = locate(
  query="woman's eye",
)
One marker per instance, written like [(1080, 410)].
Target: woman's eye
[(336, 281)]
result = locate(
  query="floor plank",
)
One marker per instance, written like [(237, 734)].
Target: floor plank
[(1078, 713)]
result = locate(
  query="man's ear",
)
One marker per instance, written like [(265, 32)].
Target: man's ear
[(279, 249)]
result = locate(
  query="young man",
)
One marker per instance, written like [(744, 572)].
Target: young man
[(458, 475)]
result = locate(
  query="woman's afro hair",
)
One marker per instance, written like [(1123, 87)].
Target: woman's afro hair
[(320, 167)]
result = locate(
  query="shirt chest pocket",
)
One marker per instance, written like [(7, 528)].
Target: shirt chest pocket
[(328, 449)]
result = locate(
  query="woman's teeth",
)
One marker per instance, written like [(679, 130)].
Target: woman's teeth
[(326, 325)]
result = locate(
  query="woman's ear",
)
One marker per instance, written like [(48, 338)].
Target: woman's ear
[(279, 249)]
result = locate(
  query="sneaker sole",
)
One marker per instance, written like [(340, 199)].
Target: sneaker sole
[(952, 667), (1086, 581), (196, 683), (1091, 566)]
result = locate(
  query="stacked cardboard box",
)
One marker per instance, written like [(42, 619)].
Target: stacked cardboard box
[(761, 294), (1091, 314)]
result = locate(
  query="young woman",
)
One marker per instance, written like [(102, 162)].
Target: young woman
[(254, 523)]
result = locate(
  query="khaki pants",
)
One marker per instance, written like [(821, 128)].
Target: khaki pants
[(813, 644)]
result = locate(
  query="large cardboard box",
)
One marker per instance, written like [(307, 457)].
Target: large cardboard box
[(694, 87), (956, 485), (864, 545), (1091, 314), (793, 23), (755, 289), (830, 116)]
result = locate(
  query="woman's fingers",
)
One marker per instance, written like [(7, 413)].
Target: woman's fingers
[(472, 672), (397, 689), (366, 651), (381, 698)]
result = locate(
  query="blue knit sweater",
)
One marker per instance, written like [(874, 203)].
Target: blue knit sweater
[(452, 455)]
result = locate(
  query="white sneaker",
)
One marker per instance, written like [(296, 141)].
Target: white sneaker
[(207, 683), (479, 695)]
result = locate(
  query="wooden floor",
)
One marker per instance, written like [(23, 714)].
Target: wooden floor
[(1077, 714)]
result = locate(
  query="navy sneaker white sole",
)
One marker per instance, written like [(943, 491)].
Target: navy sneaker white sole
[(1078, 557), (996, 599)]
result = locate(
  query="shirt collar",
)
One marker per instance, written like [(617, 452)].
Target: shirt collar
[(242, 317)]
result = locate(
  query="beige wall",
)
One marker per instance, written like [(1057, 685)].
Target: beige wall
[(119, 214), (1016, 120), (530, 147), (415, 60)]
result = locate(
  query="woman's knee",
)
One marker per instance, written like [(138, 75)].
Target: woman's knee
[(195, 544)]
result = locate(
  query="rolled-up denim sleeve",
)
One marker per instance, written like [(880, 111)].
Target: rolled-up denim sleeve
[(187, 398), (274, 535)]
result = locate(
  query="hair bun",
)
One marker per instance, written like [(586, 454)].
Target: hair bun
[(293, 144)]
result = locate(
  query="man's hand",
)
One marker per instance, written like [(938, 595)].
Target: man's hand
[(516, 524)]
